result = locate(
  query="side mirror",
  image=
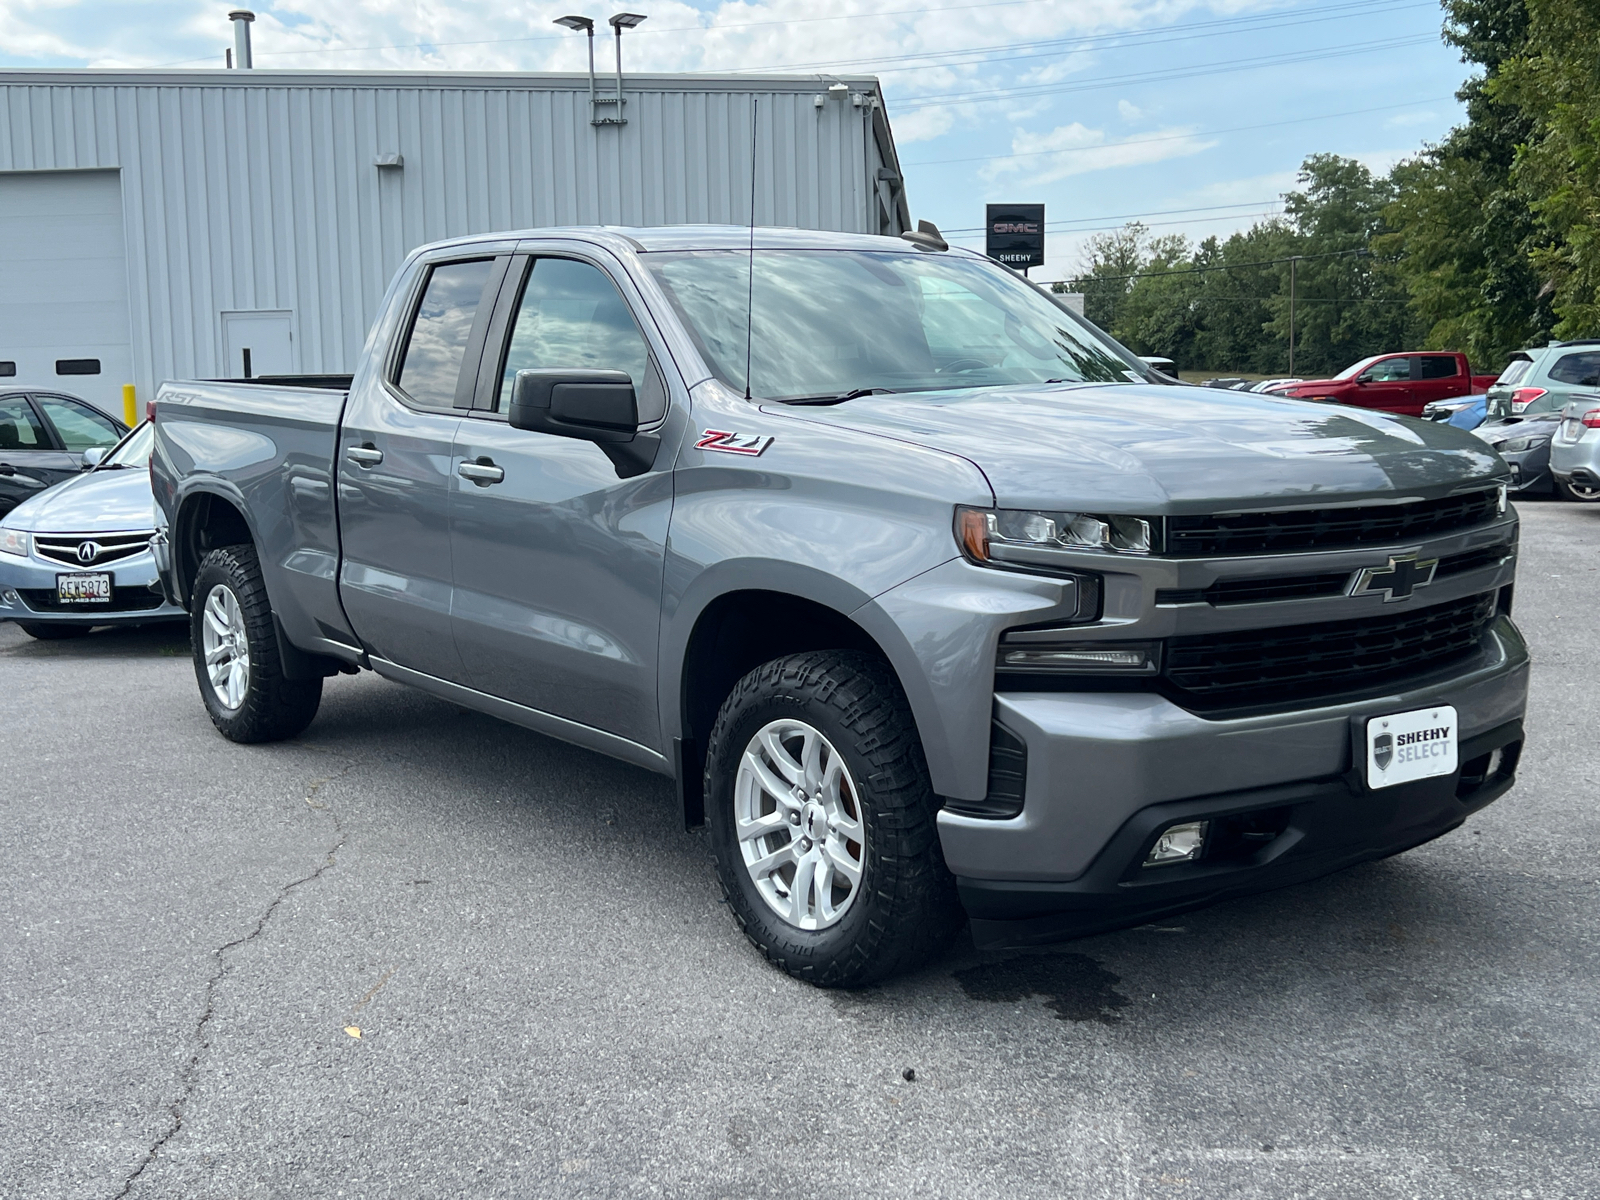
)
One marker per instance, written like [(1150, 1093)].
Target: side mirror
[(592, 406), (93, 455)]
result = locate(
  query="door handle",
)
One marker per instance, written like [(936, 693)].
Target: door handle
[(364, 456), (483, 472)]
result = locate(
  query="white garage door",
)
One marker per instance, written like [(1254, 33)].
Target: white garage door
[(64, 299)]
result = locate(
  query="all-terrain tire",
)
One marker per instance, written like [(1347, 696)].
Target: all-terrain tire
[(271, 707), (905, 907), (52, 631)]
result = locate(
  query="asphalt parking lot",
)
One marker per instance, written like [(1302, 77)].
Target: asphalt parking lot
[(551, 1001)]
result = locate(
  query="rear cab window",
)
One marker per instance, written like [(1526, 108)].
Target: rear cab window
[(1439, 366)]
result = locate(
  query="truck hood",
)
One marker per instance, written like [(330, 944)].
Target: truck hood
[(111, 501), (1163, 450)]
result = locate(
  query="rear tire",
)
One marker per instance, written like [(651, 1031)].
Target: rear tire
[(862, 891), (236, 659), (53, 631), (1577, 492)]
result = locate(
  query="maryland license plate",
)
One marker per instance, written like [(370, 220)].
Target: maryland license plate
[(1411, 745), (89, 587)]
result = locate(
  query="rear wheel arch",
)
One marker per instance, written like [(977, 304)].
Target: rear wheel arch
[(205, 521)]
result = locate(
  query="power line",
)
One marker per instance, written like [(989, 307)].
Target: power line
[(641, 30), (1165, 212), (1137, 37), (936, 99), (1174, 137), (1265, 262)]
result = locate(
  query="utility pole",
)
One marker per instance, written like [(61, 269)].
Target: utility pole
[(1292, 263)]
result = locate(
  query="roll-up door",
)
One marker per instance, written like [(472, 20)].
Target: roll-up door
[(64, 299)]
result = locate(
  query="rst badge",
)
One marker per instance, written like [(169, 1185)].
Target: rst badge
[(733, 443)]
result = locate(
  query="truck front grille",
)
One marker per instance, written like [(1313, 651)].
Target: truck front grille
[(1306, 661), (1298, 530)]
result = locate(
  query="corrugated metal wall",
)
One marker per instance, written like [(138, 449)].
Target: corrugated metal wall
[(258, 190)]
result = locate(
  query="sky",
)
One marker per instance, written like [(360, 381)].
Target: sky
[(1192, 117)]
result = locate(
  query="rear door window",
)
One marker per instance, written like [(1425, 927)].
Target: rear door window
[(78, 425), (440, 332), (1438, 366), (20, 428), (1582, 369)]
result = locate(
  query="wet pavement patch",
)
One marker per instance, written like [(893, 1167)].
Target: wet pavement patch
[(1074, 985)]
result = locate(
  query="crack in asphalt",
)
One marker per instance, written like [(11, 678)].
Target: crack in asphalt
[(189, 1076)]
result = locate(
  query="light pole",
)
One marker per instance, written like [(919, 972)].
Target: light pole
[(1294, 260), (618, 23), (585, 25)]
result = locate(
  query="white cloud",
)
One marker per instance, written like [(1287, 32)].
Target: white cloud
[(1129, 112), (1076, 149)]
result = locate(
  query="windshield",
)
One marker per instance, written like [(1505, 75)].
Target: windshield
[(1352, 371), (830, 322), (133, 451)]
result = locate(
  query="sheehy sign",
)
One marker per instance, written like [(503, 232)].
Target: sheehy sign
[(1015, 234)]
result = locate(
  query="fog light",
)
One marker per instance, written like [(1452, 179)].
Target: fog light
[(1178, 843), (1496, 761), (8, 597)]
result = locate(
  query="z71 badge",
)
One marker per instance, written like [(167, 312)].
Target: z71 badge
[(732, 443)]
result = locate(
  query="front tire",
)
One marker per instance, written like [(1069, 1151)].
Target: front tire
[(821, 819), (236, 659), (53, 631)]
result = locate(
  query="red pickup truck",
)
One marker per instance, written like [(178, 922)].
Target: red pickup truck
[(1397, 383)]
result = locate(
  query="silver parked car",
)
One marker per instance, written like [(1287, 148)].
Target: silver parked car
[(1544, 378), (78, 555), (1575, 449)]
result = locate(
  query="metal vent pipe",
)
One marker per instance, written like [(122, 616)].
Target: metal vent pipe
[(241, 18)]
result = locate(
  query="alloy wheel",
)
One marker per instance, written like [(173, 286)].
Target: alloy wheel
[(798, 820), (226, 646)]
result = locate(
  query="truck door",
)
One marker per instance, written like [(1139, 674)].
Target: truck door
[(558, 562), (395, 470), (1437, 377), (1386, 385)]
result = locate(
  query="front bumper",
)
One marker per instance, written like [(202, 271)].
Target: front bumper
[(1107, 771), (28, 588)]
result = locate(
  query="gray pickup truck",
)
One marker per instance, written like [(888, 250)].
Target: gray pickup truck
[(933, 601)]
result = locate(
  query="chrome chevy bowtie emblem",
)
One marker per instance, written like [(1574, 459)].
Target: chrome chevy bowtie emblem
[(88, 551), (1404, 574)]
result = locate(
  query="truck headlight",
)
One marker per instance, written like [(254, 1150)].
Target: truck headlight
[(1047, 652), (14, 541), (1037, 539)]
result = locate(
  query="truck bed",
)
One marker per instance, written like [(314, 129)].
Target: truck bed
[(269, 445)]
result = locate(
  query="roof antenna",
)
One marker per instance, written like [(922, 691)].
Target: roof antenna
[(750, 299)]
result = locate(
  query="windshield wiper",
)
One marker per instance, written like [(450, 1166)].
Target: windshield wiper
[(852, 394)]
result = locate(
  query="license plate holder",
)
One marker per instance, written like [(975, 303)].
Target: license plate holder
[(1423, 743), (84, 587)]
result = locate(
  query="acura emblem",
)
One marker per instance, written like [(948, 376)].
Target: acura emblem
[(1404, 574), (88, 551), (1383, 750)]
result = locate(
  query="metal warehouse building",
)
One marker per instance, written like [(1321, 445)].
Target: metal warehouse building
[(156, 225)]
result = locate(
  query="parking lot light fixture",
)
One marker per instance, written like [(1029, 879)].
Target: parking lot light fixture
[(583, 25), (618, 23)]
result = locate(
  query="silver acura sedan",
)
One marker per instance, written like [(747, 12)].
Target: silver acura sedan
[(78, 555)]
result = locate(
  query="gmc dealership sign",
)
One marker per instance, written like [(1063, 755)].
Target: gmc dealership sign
[(1015, 234)]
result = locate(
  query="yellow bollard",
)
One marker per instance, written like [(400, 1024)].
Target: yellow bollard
[(130, 410)]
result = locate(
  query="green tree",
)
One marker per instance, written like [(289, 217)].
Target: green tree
[(1463, 230)]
